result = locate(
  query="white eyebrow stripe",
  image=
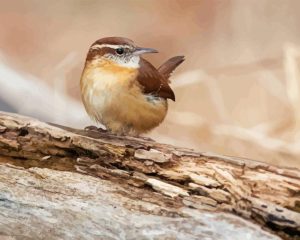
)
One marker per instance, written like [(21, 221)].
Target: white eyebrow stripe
[(98, 46)]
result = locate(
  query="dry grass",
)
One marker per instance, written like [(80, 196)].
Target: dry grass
[(274, 140)]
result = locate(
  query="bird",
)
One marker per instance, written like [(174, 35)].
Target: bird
[(123, 91)]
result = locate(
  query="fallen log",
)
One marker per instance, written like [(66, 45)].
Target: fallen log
[(62, 183)]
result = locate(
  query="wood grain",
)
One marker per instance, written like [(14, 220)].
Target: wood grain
[(160, 180)]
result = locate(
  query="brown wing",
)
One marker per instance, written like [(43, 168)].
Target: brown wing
[(169, 66), (153, 82)]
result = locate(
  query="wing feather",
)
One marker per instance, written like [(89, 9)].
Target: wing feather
[(153, 82)]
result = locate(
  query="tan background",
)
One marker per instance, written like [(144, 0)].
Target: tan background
[(237, 93)]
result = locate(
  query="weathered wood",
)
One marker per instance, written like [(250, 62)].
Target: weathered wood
[(161, 189)]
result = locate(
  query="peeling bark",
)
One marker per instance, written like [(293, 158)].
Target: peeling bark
[(173, 192)]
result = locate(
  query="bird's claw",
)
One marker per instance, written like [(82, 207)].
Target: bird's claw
[(95, 129)]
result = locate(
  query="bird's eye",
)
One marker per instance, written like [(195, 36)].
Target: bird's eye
[(120, 51)]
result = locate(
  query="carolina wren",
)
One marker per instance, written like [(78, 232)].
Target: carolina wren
[(122, 90)]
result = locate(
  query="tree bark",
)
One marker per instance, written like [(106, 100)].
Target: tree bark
[(62, 183)]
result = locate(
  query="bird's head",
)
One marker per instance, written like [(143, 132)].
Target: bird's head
[(121, 51)]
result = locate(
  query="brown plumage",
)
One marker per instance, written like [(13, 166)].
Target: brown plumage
[(153, 81), (114, 41), (169, 66), (122, 90)]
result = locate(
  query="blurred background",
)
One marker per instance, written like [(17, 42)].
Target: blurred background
[(237, 93)]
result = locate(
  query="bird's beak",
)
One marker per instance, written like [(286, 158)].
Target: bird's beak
[(139, 50)]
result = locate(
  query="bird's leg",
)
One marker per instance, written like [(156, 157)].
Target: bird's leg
[(95, 129)]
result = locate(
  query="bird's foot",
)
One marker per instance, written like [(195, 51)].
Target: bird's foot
[(145, 138), (95, 129)]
